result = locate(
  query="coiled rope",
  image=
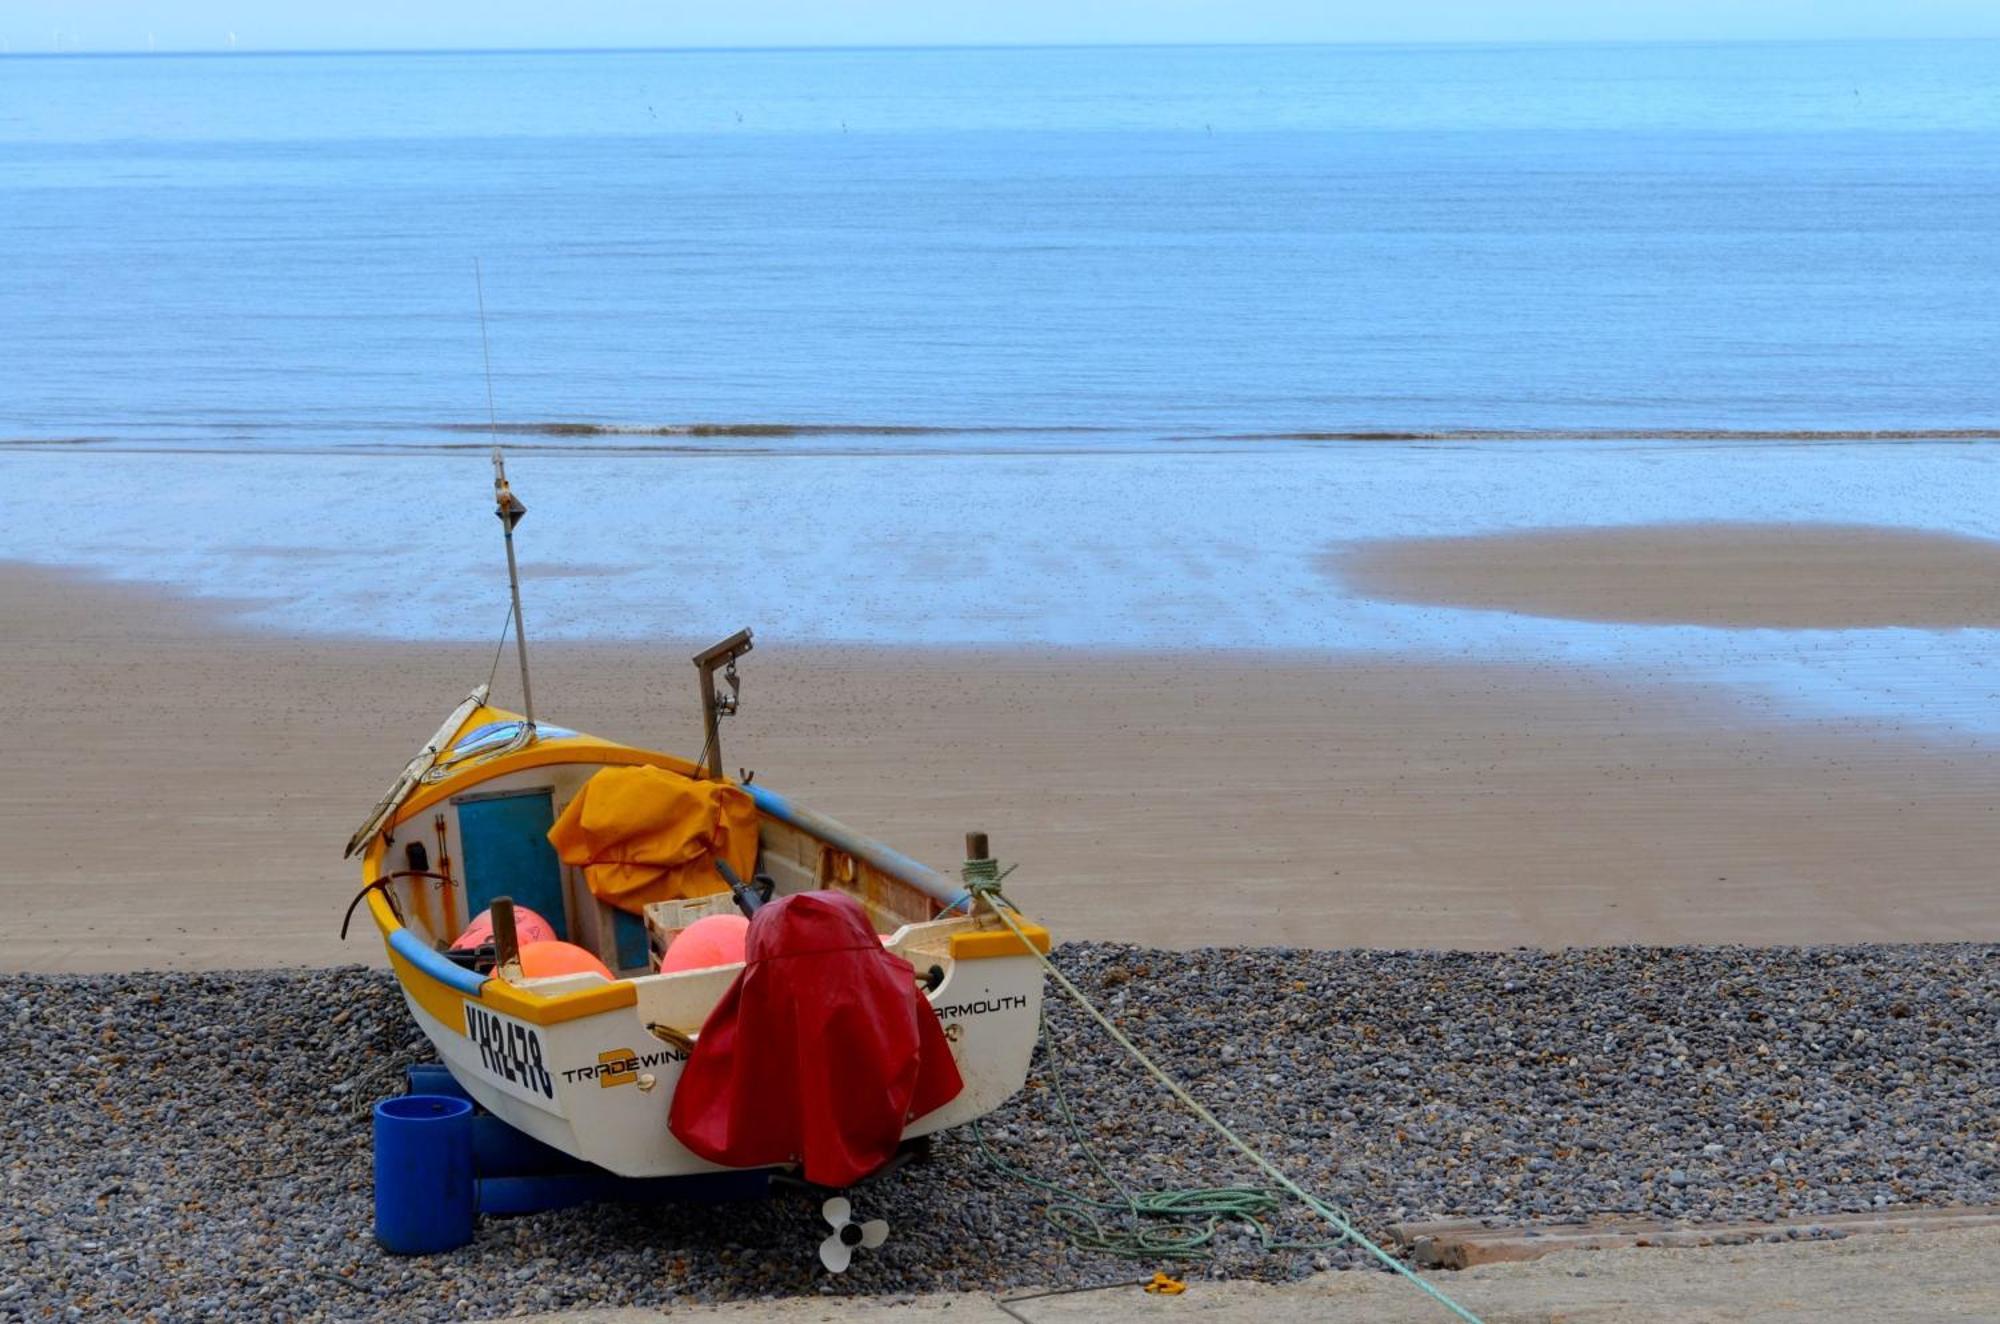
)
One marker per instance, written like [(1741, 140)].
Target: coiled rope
[(982, 880), (1163, 1223)]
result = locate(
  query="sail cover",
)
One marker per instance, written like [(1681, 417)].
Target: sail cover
[(819, 1054), (644, 834)]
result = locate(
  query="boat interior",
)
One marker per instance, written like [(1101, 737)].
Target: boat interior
[(449, 858)]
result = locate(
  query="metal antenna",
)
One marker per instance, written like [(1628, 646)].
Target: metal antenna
[(507, 506), (486, 353)]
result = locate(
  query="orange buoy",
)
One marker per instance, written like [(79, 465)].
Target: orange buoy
[(539, 960), (529, 926), (708, 942)]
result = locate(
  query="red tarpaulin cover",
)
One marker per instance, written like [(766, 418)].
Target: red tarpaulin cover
[(819, 1054)]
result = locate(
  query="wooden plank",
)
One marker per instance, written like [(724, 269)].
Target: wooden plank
[(1462, 1243)]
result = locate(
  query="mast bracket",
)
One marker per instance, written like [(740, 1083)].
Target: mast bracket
[(715, 706)]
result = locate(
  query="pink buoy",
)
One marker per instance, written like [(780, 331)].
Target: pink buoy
[(528, 927), (710, 941), (540, 960)]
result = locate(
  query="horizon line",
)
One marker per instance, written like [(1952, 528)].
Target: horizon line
[(121, 52)]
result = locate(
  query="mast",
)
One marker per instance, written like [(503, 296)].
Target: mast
[(509, 509)]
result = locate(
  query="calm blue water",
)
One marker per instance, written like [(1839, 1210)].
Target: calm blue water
[(1154, 243), (1094, 289)]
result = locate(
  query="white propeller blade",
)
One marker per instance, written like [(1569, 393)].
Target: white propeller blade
[(835, 1254), (874, 1232)]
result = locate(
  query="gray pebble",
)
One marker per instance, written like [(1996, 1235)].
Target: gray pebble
[(228, 1172)]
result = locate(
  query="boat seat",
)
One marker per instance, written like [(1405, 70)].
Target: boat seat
[(616, 937)]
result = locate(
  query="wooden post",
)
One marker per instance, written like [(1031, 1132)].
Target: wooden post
[(506, 942), (976, 847), (711, 726)]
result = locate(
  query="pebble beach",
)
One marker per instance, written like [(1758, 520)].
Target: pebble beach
[(182, 1145)]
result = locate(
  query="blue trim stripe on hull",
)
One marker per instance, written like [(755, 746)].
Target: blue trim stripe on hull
[(419, 954)]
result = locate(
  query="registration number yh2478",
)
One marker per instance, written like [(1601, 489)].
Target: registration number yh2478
[(510, 1050)]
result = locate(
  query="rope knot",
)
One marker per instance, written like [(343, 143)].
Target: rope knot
[(982, 879)]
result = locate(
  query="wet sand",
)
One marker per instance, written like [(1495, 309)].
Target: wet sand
[(177, 790), (1785, 576)]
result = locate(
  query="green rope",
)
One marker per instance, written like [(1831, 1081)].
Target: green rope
[(982, 878), (983, 882), (1166, 1223)]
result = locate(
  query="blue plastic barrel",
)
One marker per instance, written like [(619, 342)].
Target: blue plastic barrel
[(423, 1173), (432, 1078)]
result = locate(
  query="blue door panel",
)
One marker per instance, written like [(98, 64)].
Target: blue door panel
[(507, 853), (630, 932)]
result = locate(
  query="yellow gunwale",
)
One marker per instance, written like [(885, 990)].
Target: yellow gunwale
[(573, 749), (445, 1004), (986, 944)]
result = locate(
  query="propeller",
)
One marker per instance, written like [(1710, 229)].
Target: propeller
[(837, 1251)]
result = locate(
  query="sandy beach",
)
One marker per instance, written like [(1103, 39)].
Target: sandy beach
[(180, 787), (1869, 1277), (1742, 576)]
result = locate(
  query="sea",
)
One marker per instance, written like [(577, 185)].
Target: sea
[(1079, 347)]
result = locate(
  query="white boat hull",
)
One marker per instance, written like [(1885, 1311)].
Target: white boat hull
[(600, 1087)]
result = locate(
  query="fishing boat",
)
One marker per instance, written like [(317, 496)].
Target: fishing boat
[(505, 837)]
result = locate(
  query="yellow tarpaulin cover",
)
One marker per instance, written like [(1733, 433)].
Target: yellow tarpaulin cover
[(644, 834)]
